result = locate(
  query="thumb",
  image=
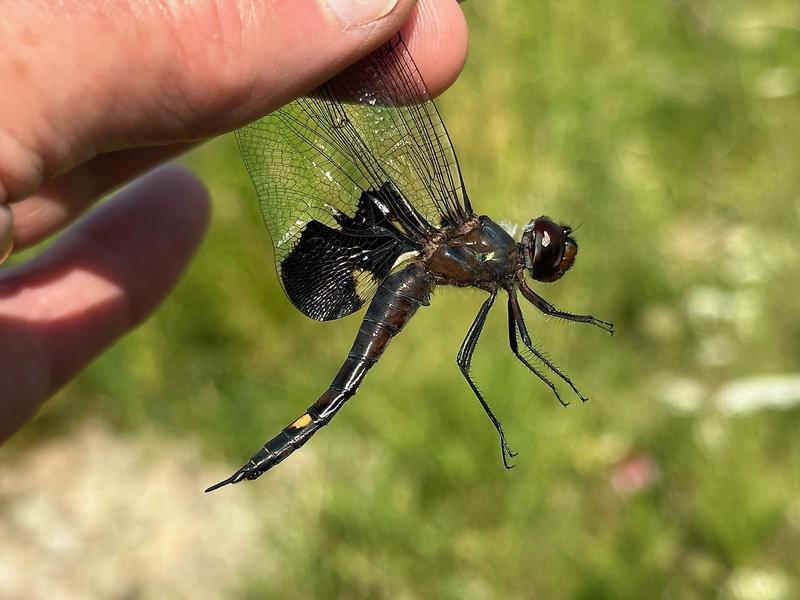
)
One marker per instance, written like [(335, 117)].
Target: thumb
[(119, 75)]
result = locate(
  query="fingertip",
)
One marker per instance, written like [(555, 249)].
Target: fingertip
[(181, 200), (153, 227), (435, 32), (437, 37)]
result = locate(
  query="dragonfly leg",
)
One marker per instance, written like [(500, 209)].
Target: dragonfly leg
[(515, 315), (464, 360), (548, 309), (513, 328)]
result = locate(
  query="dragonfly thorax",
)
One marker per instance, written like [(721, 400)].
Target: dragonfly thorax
[(482, 255)]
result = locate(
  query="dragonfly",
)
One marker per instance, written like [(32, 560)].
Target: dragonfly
[(363, 197)]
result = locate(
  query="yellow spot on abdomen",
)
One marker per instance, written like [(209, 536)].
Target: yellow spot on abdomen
[(301, 422)]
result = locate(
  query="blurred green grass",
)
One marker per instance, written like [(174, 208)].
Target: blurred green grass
[(671, 132)]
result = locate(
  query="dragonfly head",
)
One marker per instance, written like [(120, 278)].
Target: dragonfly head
[(548, 249)]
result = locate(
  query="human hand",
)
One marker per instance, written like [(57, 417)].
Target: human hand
[(97, 93)]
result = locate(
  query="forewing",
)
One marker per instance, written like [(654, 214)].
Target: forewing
[(330, 169)]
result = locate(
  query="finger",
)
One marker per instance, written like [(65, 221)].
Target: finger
[(61, 200), (436, 36), (207, 67), (100, 279), (6, 232)]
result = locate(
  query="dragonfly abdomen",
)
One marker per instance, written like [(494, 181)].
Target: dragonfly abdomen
[(395, 302)]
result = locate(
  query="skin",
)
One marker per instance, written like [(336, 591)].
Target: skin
[(98, 93)]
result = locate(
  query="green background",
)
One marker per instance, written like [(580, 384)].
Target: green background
[(670, 132)]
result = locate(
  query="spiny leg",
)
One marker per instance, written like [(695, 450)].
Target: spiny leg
[(464, 359), (512, 340), (548, 309), (514, 309)]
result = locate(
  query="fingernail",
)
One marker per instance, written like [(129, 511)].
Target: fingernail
[(6, 232), (356, 12)]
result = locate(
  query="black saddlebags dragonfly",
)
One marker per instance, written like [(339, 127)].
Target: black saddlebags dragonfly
[(363, 197)]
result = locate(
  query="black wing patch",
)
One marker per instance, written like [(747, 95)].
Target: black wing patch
[(330, 272)]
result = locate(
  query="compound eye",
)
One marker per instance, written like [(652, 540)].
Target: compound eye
[(548, 250)]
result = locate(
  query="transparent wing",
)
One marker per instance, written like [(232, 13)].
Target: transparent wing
[(352, 177)]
